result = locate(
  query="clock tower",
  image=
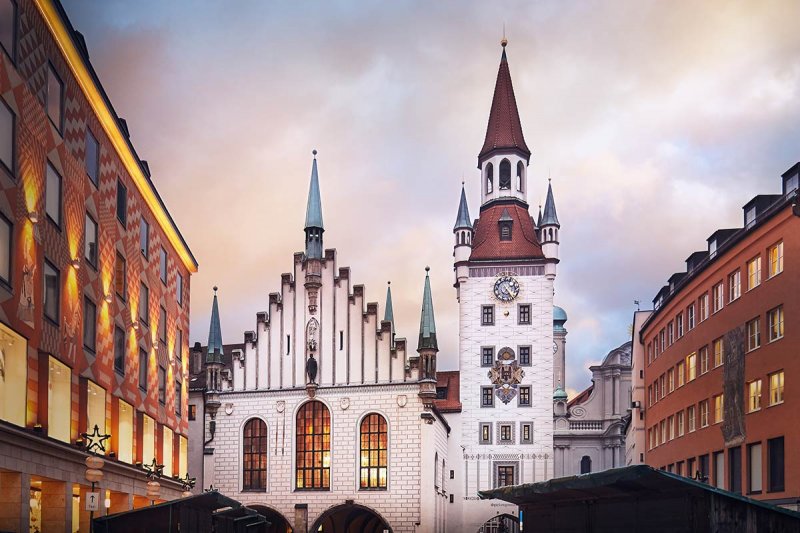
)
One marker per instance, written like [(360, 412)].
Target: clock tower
[(504, 283)]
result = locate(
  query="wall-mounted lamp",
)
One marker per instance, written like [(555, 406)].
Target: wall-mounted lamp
[(76, 264), (33, 216), (109, 298), (135, 326)]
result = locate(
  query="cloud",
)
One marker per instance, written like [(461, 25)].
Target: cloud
[(656, 121)]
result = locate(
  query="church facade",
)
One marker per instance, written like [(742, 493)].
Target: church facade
[(325, 420)]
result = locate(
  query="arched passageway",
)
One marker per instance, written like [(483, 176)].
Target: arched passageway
[(350, 518), (504, 523), (278, 523)]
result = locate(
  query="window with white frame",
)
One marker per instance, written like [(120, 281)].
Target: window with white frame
[(680, 369), (719, 408), (734, 285), (704, 413), (717, 297), (679, 324), (703, 302), (753, 334), (775, 255), (754, 273), (719, 352), (690, 317), (775, 317), (680, 421), (691, 366), (754, 396), (703, 359), (691, 418), (776, 388)]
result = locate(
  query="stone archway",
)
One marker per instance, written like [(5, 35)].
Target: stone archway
[(350, 518), (278, 523), (503, 523)]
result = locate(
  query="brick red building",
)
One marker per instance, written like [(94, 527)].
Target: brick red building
[(721, 371), (94, 287)]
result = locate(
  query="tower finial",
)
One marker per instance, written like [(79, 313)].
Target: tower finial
[(215, 289), (504, 41), (314, 153)]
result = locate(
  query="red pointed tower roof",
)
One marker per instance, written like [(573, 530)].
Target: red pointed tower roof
[(504, 131)]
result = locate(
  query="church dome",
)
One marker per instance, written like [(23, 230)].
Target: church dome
[(559, 314)]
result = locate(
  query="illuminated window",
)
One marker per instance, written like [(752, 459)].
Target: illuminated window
[(8, 27), (92, 157), (313, 459), (775, 255), (671, 379), (183, 457), (486, 433), (162, 262), (52, 196), (166, 451), (374, 452), (95, 407), (704, 413), (125, 432), (526, 435), (121, 276), (680, 369), (753, 334), (119, 350), (691, 418), (52, 292), (59, 400), (719, 405), (691, 367), (55, 98), (14, 381), (144, 237), (754, 273), (148, 439), (734, 285), (254, 458), (754, 396), (775, 317), (717, 297), (719, 353), (122, 203), (90, 241), (89, 324), (776, 388)]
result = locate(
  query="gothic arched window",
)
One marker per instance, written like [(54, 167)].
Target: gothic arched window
[(520, 174), (489, 178), (586, 464), (254, 455), (313, 454), (505, 175), (374, 459)]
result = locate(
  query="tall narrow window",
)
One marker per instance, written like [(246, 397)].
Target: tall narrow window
[(525, 396), (92, 161), (586, 464), (704, 359), (719, 408), (753, 334), (717, 297), (520, 176), (489, 178), (313, 446), (487, 397), (52, 292), (374, 452), (148, 439), (95, 407), (162, 325), (776, 388), (704, 413), (691, 367), (167, 451), (121, 276), (691, 418), (7, 123), (162, 385), (735, 469), (690, 317), (525, 355), (90, 241), (719, 469), (775, 323), (55, 98), (119, 350), (754, 470), (179, 288), (144, 237), (775, 254), (8, 27), (703, 302), (143, 370), (754, 396), (59, 400), (52, 196), (487, 356), (505, 175), (144, 304), (5, 249), (89, 324), (734, 285), (524, 314), (505, 475), (177, 399), (254, 455), (179, 344), (14, 383), (754, 273), (775, 466), (122, 203), (125, 432), (719, 352), (162, 261), (487, 315)]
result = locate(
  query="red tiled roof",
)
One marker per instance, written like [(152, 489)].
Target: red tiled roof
[(504, 130), (582, 397), (451, 381), (524, 243)]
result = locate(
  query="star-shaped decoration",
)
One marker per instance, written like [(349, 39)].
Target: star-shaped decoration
[(154, 470), (188, 482), (95, 440), (211, 489)]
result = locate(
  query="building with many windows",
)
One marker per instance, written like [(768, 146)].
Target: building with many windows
[(719, 356), (94, 287)]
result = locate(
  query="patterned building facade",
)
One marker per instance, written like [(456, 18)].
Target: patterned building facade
[(94, 287)]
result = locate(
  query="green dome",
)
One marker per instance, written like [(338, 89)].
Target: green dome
[(560, 394)]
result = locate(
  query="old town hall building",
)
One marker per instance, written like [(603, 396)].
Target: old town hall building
[(325, 420)]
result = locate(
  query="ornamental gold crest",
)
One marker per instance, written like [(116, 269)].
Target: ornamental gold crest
[(506, 375)]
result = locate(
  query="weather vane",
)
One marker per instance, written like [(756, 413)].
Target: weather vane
[(95, 440)]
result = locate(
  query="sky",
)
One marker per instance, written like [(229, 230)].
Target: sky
[(656, 121)]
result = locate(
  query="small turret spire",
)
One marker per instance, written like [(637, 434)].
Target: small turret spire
[(550, 218), (462, 219), (388, 315), (314, 226), (427, 324), (539, 220), (215, 351)]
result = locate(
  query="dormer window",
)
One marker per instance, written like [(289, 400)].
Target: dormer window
[(750, 217), (712, 248), (489, 178), (505, 231), (505, 175), (792, 183)]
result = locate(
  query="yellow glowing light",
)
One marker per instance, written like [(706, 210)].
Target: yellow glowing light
[(106, 118)]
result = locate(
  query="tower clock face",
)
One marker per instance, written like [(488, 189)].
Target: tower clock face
[(506, 288)]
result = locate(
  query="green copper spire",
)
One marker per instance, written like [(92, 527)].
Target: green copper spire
[(427, 325), (388, 316), (214, 352), (462, 220), (550, 218), (314, 226)]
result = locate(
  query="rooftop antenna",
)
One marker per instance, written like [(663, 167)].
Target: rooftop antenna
[(636, 303)]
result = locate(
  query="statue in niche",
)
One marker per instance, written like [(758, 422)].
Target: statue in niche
[(311, 369), (312, 332)]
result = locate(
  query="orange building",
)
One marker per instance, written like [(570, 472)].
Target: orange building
[(94, 288), (721, 370)]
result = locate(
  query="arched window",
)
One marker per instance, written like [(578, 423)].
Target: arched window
[(505, 175), (489, 178), (374, 452), (313, 455), (520, 175), (586, 464), (254, 460)]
